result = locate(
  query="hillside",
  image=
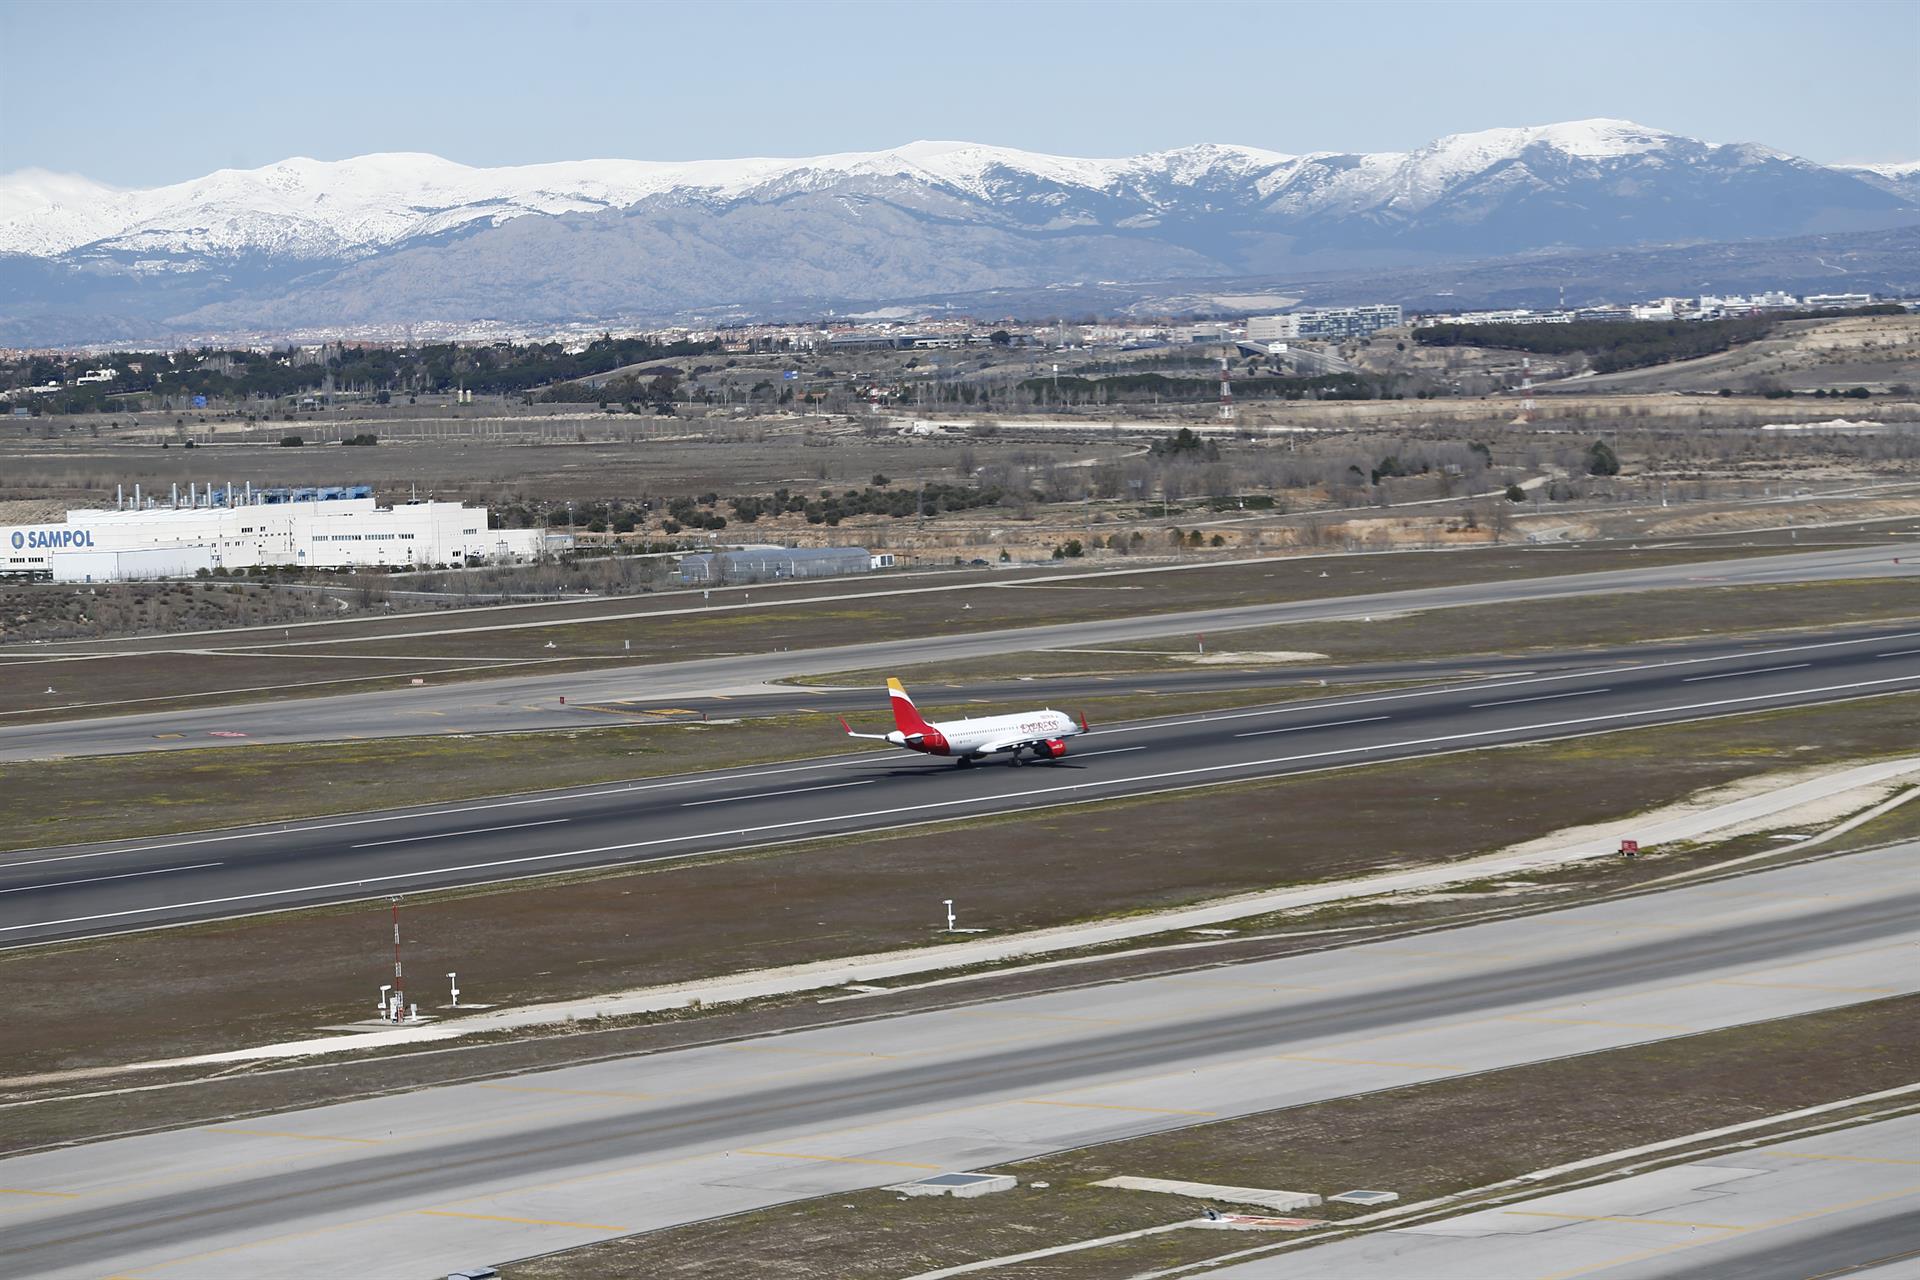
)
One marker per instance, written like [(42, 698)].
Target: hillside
[(391, 240)]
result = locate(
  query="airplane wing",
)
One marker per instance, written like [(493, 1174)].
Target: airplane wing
[(1025, 741)]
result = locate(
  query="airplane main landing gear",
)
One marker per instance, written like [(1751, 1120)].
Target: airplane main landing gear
[(964, 762)]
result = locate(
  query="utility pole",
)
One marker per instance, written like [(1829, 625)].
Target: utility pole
[(399, 977)]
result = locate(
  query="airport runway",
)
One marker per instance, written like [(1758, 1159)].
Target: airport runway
[(81, 891), (1824, 1205), (520, 703), (416, 1184)]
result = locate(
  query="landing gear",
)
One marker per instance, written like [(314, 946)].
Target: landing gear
[(964, 762), (1016, 759)]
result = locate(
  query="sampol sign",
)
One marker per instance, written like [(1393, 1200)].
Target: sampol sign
[(51, 539)]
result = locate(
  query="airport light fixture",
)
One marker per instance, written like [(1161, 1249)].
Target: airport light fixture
[(949, 905), (384, 1006), (453, 981)]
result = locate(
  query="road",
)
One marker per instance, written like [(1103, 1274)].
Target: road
[(1824, 1205), (413, 1185), (533, 702), (89, 890)]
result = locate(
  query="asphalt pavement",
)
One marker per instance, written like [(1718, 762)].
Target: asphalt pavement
[(533, 702), (81, 891), (416, 1184), (1845, 1203)]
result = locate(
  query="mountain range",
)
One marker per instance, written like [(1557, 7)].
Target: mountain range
[(394, 239)]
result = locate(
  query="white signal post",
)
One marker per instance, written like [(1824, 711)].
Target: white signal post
[(399, 975), (950, 917), (383, 1005), (453, 981)]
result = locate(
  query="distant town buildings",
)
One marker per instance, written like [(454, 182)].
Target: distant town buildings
[(1705, 307), (1332, 323)]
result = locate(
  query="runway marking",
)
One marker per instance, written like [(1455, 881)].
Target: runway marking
[(801, 1155), (1302, 728), (530, 1222), (303, 1137), (1612, 1217), (1114, 1106), (1815, 1155), (1364, 1062), (1110, 751), (1897, 653), (768, 795), (1547, 697), (1064, 792), (448, 835), (124, 875), (54, 1195), (1757, 671)]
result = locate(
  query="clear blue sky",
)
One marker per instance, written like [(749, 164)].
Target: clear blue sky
[(151, 92)]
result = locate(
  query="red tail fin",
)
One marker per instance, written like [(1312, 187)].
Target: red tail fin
[(905, 717)]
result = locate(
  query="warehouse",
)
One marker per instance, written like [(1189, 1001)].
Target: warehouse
[(333, 528), (777, 564)]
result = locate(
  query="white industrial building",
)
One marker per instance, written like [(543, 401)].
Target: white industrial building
[(310, 528)]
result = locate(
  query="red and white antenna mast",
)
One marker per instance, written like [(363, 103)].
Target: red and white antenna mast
[(1526, 389), (1226, 392)]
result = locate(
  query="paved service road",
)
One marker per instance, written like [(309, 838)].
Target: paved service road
[(532, 702), (81, 891), (1826, 1205), (416, 1184)]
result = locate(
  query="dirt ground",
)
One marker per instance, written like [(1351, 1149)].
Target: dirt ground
[(194, 989), (1423, 1141)]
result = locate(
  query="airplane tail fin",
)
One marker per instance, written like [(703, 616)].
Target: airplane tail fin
[(905, 716)]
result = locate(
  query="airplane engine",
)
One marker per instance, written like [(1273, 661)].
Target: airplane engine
[(1053, 748)]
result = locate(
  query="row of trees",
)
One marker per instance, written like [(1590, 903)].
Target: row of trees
[(1614, 345), (224, 374)]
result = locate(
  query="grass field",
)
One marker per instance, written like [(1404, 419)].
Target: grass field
[(1529, 626), (1423, 1141), (173, 992)]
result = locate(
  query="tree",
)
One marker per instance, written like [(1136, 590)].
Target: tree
[(1601, 460), (1000, 338), (1068, 550), (1516, 494)]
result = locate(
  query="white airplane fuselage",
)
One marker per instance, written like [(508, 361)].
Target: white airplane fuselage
[(1040, 734)]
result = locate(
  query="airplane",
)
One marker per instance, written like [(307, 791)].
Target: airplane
[(1041, 734)]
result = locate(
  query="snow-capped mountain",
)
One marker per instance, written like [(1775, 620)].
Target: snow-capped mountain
[(397, 237), (1900, 179)]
